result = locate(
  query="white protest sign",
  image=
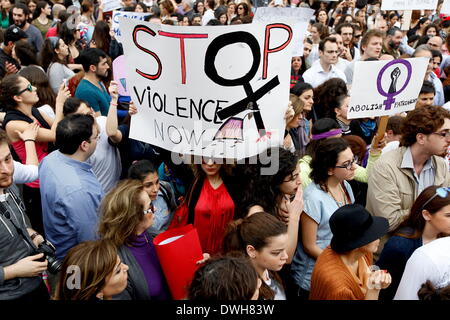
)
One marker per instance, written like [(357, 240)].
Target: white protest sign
[(110, 5), (218, 92), (445, 7), (297, 18), (384, 88), (409, 4), (127, 14)]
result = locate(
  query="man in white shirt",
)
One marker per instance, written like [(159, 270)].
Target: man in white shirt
[(342, 62), (325, 69), (429, 262)]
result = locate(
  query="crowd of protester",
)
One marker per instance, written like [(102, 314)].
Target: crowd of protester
[(348, 215)]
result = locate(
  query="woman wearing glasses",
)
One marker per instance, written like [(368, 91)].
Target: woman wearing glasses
[(126, 214), (18, 97), (332, 164), (428, 220), (242, 10)]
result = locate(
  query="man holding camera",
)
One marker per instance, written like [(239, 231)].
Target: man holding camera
[(20, 266)]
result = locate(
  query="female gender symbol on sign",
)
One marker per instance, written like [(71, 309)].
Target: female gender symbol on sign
[(250, 102), (395, 74)]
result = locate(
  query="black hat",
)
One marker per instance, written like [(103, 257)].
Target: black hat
[(14, 33), (354, 227)]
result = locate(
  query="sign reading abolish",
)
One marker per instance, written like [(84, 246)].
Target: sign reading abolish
[(409, 4), (383, 88), (209, 91), (298, 18), (127, 14)]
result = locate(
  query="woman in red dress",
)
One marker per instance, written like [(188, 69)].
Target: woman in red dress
[(210, 205)]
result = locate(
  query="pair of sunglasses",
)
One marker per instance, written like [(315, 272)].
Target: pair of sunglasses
[(441, 192), (29, 88)]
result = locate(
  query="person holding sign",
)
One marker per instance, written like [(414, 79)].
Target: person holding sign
[(400, 175)]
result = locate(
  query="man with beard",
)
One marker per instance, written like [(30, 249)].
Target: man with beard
[(20, 267), (392, 42), (20, 12), (91, 87), (9, 65), (346, 30)]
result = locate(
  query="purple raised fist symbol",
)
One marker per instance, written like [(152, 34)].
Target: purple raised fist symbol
[(395, 74)]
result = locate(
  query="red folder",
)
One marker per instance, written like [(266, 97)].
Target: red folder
[(178, 257)]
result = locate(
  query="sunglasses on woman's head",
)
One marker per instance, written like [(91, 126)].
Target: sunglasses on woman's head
[(29, 88), (441, 192)]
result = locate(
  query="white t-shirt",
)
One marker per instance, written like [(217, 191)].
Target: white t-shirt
[(275, 286), (429, 262), (106, 159)]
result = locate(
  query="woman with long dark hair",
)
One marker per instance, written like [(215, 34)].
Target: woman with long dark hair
[(101, 39), (42, 17), (54, 59), (211, 203), (71, 37), (18, 96), (4, 17), (278, 193), (428, 220), (332, 165), (38, 79)]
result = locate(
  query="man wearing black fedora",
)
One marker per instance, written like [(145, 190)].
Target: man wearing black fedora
[(344, 270)]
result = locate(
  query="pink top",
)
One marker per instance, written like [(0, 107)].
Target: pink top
[(41, 150)]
